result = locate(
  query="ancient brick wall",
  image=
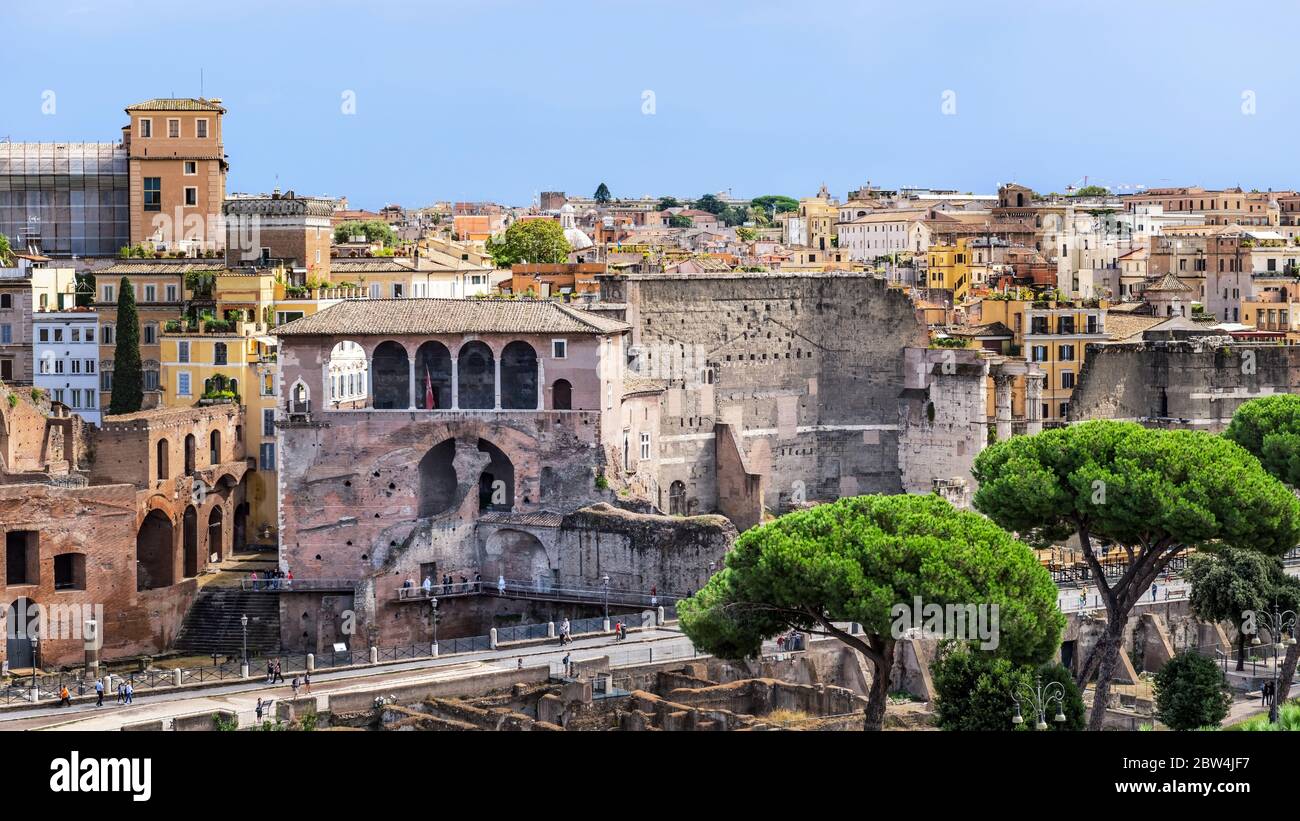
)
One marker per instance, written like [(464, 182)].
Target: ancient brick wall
[(807, 368), (1195, 384)]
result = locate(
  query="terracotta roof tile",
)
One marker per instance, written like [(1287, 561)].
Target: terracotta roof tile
[(372, 317)]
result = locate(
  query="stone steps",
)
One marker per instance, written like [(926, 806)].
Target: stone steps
[(213, 623)]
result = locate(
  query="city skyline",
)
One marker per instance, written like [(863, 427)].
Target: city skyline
[(627, 96)]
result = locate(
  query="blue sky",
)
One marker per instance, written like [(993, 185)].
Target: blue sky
[(500, 99)]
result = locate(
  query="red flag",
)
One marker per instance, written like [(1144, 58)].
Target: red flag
[(428, 389)]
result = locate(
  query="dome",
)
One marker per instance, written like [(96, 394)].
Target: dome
[(577, 239)]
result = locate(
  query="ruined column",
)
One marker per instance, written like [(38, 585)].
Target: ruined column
[(1034, 402), (1002, 404)]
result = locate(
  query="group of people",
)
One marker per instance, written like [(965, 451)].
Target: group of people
[(276, 579), (565, 638), (273, 673), (448, 584)]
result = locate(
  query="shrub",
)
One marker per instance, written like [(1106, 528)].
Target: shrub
[(1190, 693), (973, 691)]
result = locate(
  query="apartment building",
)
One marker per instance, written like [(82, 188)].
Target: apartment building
[(177, 170), (885, 232), (65, 348), (32, 285), (1230, 206)]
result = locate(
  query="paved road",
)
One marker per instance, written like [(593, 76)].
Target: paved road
[(640, 647)]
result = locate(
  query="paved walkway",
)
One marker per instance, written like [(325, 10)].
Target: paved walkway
[(660, 644)]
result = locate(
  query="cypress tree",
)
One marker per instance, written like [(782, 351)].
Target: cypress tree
[(128, 385)]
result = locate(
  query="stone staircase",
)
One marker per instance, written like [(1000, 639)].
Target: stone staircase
[(212, 624)]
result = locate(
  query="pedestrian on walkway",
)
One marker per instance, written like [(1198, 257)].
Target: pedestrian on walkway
[(279, 674), (121, 692), (1154, 588), (252, 577), (288, 580), (130, 693), (428, 587), (306, 682), (501, 585), (99, 693), (520, 666), (567, 666), (258, 712), (65, 698)]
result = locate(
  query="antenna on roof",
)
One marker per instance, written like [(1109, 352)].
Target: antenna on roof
[(200, 83)]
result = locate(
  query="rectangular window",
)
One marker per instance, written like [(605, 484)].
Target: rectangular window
[(153, 193), (182, 352), (151, 293), (6, 334), (397, 290), (191, 195), (76, 398), (645, 446), (183, 383), (107, 336), (58, 366), (173, 128), (375, 292), (76, 366), (201, 129), (268, 421), (190, 168), (43, 334), (108, 293), (6, 300), (150, 334), (58, 334), (559, 348), (146, 127), (171, 293), (1066, 353), (106, 380), (90, 366), (1067, 379), (151, 380), (268, 457), (76, 334)]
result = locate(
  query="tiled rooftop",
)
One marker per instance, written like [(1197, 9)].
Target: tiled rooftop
[(372, 317)]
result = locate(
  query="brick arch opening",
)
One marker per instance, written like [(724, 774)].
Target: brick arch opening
[(190, 541), (476, 375), (562, 395), (391, 370), (433, 376), (154, 563), (519, 556), (216, 530), (496, 484), (519, 376), (438, 479)]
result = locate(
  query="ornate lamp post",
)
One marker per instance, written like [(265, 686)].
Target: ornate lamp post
[(604, 582), (1281, 626), (1039, 700), (243, 624)]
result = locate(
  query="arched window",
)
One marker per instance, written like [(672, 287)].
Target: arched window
[(214, 448), (164, 471), (392, 375), (476, 373), (189, 454), (519, 376), (432, 376), (562, 395)]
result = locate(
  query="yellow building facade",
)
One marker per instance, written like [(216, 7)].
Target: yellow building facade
[(949, 268)]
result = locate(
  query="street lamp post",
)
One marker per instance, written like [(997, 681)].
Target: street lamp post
[(1281, 626), (604, 582), (243, 625), (433, 604), (1039, 700)]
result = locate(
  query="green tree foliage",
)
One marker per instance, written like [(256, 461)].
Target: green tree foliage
[(538, 241), (680, 221), (128, 381), (1228, 584), (667, 202), (1190, 692), (6, 251), (746, 234), (602, 195), (1091, 191), (853, 561), (373, 230), (1156, 493), (973, 691), (775, 203), (1269, 427), (710, 203)]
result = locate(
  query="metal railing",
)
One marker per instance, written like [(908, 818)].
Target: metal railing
[(285, 585)]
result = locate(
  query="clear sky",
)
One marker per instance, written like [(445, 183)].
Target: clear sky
[(500, 99)]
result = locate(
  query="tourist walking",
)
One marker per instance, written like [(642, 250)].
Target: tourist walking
[(258, 711), (306, 682), (121, 692), (501, 585), (99, 693), (252, 577), (279, 674), (294, 685), (65, 698), (130, 693)]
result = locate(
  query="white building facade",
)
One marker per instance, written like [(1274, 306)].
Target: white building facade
[(65, 352)]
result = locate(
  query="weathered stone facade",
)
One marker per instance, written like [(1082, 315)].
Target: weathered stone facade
[(806, 369), (1194, 383)]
